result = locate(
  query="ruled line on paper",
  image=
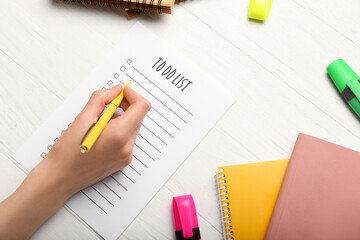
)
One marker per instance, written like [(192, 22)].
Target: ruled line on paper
[(93, 202), (156, 98), (134, 170), (144, 151), (162, 90), (110, 189), (122, 83), (119, 183), (154, 134), (149, 143), (140, 161), (166, 118), (147, 116), (102, 195), (121, 171)]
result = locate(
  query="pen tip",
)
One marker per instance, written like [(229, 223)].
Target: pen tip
[(83, 149), (128, 83)]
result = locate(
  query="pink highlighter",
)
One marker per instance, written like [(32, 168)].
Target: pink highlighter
[(185, 218)]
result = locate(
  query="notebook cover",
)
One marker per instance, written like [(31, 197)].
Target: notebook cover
[(252, 190), (320, 194)]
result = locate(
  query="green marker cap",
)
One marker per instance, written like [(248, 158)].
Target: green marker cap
[(341, 74)]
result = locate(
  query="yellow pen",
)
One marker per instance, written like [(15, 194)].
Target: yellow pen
[(95, 132)]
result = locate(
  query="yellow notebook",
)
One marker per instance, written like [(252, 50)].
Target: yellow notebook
[(248, 193)]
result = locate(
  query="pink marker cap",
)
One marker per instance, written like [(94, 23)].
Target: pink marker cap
[(185, 218)]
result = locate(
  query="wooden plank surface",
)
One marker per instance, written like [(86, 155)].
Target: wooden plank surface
[(276, 69)]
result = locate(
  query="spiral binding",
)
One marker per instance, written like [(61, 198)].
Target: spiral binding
[(151, 5), (159, 6), (224, 205), (115, 3)]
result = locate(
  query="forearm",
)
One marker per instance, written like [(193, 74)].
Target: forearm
[(38, 197)]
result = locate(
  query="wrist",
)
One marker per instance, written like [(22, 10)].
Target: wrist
[(39, 197), (47, 183)]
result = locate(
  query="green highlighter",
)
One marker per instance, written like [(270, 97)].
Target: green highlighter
[(347, 82)]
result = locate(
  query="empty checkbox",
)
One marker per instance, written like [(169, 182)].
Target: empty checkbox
[(49, 147), (43, 155), (116, 75), (123, 68), (110, 83), (103, 88), (129, 61), (56, 139)]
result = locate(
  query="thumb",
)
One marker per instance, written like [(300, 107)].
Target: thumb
[(99, 99)]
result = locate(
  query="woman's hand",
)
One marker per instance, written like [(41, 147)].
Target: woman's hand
[(65, 170), (111, 152)]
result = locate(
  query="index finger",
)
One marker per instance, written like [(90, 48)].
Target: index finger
[(137, 109)]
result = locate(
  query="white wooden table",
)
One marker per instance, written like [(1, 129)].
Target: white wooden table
[(276, 69)]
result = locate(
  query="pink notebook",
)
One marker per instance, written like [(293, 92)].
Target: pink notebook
[(320, 194)]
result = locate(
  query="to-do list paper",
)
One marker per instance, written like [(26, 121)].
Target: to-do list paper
[(185, 106)]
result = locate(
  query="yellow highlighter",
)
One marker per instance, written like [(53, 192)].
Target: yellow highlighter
[(259, 9), (95, 132)]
